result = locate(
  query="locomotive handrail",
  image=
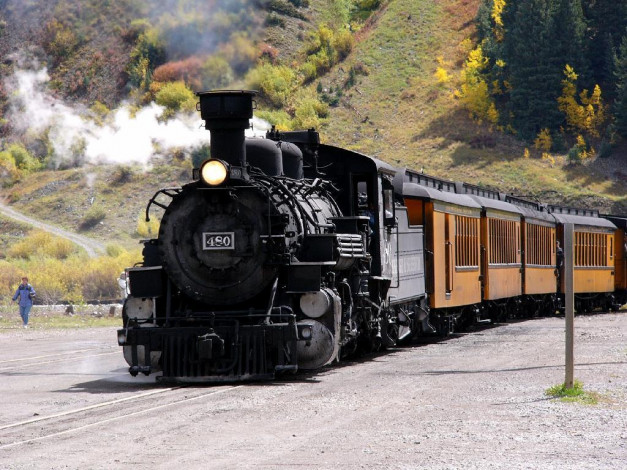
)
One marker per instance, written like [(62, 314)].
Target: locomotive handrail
[(153, 199), (398, 260)]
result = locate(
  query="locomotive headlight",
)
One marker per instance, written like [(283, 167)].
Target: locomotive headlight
[(121, 337), (214, 172)]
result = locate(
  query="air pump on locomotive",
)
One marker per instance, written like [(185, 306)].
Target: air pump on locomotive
[(257, 269)]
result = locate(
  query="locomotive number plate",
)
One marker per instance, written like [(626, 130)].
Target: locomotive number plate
[(218, 241)]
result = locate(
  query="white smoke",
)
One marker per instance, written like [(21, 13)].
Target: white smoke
[(125, 138)]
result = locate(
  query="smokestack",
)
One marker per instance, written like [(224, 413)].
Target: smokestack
[(227, 115)]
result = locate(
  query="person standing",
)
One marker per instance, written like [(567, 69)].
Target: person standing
[(26, 293)]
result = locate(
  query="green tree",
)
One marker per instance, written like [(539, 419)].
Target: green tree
[(533, 68), (607, 24), (567, 37), (620, 105), (148, 53)]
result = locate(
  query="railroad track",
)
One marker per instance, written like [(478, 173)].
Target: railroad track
[(33, 361), (50, 426)]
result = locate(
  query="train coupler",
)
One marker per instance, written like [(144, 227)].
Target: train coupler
[(134, 370), (210, 346)]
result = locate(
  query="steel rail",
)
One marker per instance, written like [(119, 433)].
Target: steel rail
[(61, 359), (107, 420), (32, 358)]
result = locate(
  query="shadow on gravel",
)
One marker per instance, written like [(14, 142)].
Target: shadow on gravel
[(514, 369), (121, 383)]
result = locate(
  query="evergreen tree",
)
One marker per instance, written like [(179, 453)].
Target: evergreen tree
[(483, 20), (607, 22), (567, 37), (533, 66), (620, 105)]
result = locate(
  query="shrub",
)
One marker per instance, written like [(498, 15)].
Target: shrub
[(442, 75), (9, 277), (42, 244), (74, 279), (579, 151), (175, 97), (275, 82), (308, 111), (94, 215), (278, 118), (324, 48), (114, 250), (147, 229), (574, 155), (55, 281), (309, 72), (288, 9), (272, 19), (60, 40), (122, 174), (216, 73), (100, 279), (9, 173), (363, 8), (343, 43), (267, 52), (100, 112), (24, 161), (189, 70)]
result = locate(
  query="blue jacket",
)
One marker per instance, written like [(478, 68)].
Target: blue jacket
[(25, 293)]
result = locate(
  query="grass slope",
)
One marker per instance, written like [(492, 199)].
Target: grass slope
[(401, 114), (65, 198), (396, 110)]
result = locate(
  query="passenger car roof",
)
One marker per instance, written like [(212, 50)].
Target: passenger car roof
[(424, 192), (581, 217)]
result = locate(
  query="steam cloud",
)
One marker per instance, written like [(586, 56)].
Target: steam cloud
[(124, 139)]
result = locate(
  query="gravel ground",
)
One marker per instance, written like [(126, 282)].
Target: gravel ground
[(473, 401)]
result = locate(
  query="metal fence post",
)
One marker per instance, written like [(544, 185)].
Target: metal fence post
[(569, 262)]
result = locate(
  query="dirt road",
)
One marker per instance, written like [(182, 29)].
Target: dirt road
[(92, 247), (473, 401)]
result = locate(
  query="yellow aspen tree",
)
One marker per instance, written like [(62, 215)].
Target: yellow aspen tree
[(585, 115), (474, 93), (594, 111), (497, 12), (543, 140), (547, 157)]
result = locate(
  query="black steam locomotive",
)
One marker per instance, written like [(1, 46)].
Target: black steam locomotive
[(282, 254)]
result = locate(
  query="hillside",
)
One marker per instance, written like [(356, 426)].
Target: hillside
[(383, 99)]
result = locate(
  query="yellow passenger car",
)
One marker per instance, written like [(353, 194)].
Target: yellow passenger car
[(620, 259), (594, 256), (501, 264), (452, 241)]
